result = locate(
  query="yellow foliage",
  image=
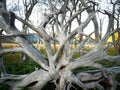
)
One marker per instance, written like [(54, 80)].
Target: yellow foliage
[(110, 38)]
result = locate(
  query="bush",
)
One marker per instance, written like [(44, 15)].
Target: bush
[(21, 67)]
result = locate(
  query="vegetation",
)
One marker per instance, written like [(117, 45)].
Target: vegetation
[(111, 39)]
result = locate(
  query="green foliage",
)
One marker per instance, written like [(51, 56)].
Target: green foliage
[(112, 51), (108, 64), (11, 57), (14, 65), (76, 55), (118, 77), (43, 51), (118, 81), (4, 87), (21, 67)]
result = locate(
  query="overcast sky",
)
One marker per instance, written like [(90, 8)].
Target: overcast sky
[(36, 16)]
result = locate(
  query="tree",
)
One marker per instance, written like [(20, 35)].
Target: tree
[(59, 66)]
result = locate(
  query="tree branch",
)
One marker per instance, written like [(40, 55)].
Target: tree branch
[(18, 34), (87, 60), (94, 19), (28, 48), (41, 32), (77, 49), (81, 27), (112, 58), (36, 76), (74, 16), (12, 77), (76, 31), (4, 51)]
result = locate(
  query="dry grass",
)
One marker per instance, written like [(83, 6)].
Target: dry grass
[(54, 48), (9, 45)]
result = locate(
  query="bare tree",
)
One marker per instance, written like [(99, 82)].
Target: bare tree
[(58, 67), (28, 7)]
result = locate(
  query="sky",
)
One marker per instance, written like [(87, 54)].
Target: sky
[(36, 17)]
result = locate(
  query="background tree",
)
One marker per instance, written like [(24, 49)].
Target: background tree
[(58, 67)]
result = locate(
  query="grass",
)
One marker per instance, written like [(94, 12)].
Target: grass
[(112, 51), (108, 64), (21, 67), (9, 45), (11, 57), (76, 55)]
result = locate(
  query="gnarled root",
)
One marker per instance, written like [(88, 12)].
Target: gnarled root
[(102, 80)]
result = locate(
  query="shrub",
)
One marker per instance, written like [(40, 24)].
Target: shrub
[(21, 67)]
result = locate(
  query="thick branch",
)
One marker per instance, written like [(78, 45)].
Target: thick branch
[(94, 75), (15, 35), (11, 80), (40, 77), (4, 51), (96, 27), (41, 32), (81, 27), (12, 77), (112, 58), (6, 40), (49, 53), (102, 42), (94, 55), (76, 31), (28, 48), (87, 60)]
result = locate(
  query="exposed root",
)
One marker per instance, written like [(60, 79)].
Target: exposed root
[(103, 80)]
